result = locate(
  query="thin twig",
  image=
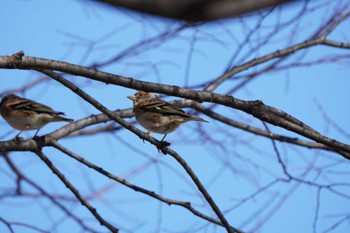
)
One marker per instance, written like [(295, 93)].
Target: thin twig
[(152, 194), (75, 191)]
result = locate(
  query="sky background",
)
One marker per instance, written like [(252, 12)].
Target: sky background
[(86, 33)]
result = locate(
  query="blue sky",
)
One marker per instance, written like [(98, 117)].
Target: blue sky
[(63, 30)]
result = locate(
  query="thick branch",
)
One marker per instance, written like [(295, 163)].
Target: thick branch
[(194, 10), (256, 108)]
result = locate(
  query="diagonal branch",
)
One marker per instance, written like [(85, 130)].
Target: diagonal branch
[(144, 136), (256, 108), (67, 211), (76, 193), (320, 40), (99, 169), (257, 131)]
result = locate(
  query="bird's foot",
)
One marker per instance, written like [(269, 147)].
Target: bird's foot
[(17, 139), (163, 147), (35, 137), (149, 136)]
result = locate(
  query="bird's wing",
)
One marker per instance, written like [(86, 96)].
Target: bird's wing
[(163, 107), (28, 105)]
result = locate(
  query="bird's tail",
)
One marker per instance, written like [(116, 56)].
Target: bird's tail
[(57, 117), (66, 119), (199, 119)]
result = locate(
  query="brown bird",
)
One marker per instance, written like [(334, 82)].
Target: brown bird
[(24, 114), (157, 115)]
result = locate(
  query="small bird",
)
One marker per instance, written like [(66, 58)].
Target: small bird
[(157, 115), (24, 114)]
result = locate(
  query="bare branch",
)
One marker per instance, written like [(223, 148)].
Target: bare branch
[(75, 191), (256, 108), (49, 196), (152, 194), (145, 137)]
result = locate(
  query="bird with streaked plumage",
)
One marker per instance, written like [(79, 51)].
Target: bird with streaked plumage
[(157, 115), (24, 114)]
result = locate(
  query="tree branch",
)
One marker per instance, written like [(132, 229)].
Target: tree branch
[(152, 194), (75, 191), (144, 136), (194, 10), (256, 108)]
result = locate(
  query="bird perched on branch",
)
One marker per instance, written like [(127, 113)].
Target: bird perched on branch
[(157, 115), (24, 114)]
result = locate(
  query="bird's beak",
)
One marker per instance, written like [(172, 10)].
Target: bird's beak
[(133, 98)]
